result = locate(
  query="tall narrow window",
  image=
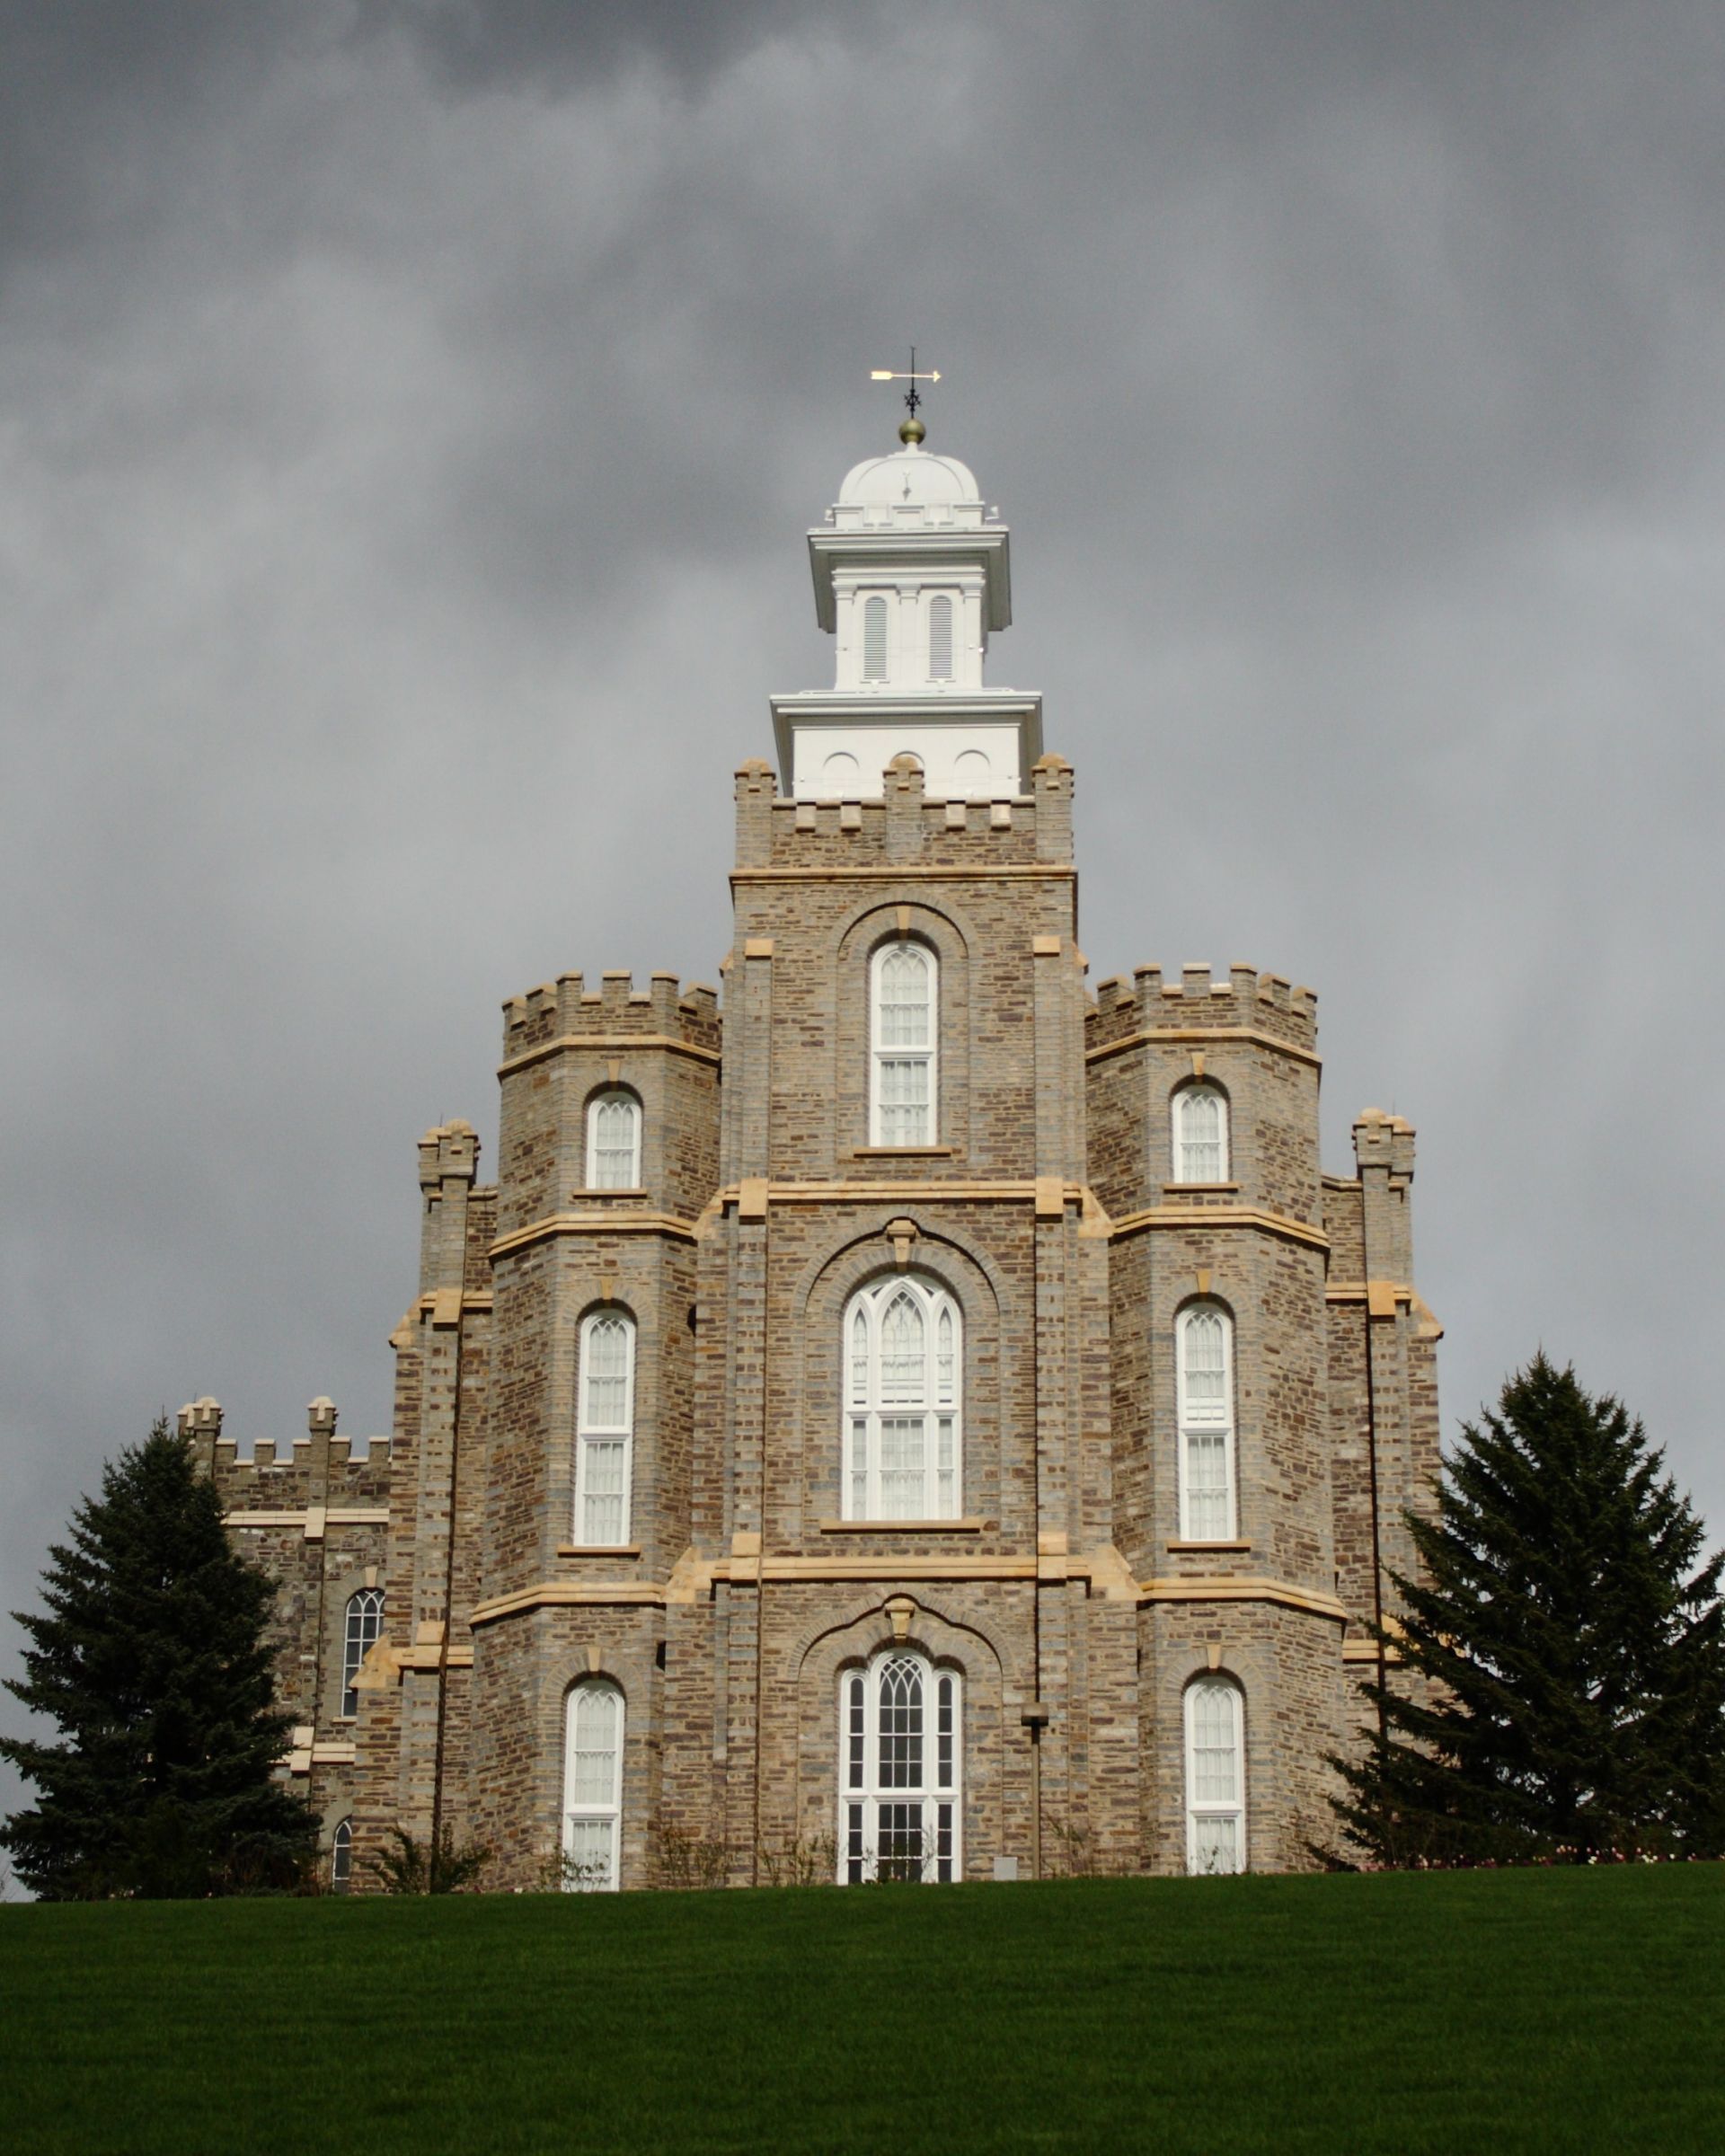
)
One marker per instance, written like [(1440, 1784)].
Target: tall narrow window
[(1216, 1809), (940, 638), (365, 1623), (875, 639), (342, 1858), (592, 1786), (1201, 1135), (1203, 1381), (900, 1759), (904, 996), (613, 1141), (904, 1377), (606, 1437)]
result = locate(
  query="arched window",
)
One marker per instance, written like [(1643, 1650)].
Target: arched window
[(900, 1757), (592, 1786), (604, 1436), (903, 1380), (365, 1623), (1204, 1381), (1215, 1777), (613, 1141), (904, 997), (342, 1858), (875, 639), (940, 638), (1201, 1135)]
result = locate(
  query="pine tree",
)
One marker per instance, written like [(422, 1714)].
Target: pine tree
[(1560, 1693), (152, 1659)]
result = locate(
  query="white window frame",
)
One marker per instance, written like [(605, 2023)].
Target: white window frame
[(901, 1800), (362, 1627), (1200, 1421), (937, 1403), (881, 1053), (341, 1856), (937, 600), (1204, 1813), (1185, 1099), (591, 1431), (866, 600), (601, 1172), (584, 1872)]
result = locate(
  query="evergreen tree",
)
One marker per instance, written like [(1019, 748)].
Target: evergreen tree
[(152, 1659), (1561, 1688)]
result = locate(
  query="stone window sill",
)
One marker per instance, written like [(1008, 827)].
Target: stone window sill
[(633, 1190), (903, 1152), (1201, 1189), (964, 1526), (598, 1548), (1243, 1548)]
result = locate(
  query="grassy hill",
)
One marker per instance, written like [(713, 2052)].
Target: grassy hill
[(1507, 2012)]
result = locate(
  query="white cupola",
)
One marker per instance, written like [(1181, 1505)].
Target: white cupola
[(911, 574)]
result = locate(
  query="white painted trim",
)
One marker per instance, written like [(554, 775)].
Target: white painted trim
[(613, 1096), (866, 1783), (1201, 1089), (367, 1605), (872, 1303), (1196, 1419), (1199, 1810), (880, 1053), (586, 1428), (605, 1813)]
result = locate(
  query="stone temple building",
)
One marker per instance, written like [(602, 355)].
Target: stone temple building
[(911, 1414)]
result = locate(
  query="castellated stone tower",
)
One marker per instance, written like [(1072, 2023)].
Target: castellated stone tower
[(926, 1420)]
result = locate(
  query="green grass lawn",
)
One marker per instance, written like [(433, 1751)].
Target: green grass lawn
[(1458, 2013)]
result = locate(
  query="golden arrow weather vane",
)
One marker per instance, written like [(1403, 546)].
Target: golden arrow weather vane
[(912, 399)]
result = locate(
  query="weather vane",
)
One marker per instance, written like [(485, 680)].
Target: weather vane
[(912, 399)]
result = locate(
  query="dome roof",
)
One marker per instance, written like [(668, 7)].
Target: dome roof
[(909, 476)]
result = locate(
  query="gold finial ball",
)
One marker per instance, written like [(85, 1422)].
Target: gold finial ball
[(912, 432)]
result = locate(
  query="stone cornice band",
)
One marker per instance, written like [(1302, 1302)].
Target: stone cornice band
[(744, 1569)]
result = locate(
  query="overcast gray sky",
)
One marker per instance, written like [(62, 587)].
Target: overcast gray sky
[(409, 417)]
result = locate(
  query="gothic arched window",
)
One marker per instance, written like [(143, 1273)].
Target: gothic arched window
[(904, 1381), (875, 639), (1201, 1135), (940, 638), (900, 1758), (613, 1141), (1215, 1777), (592, 1786), (904, 996), (605, 1428), (365, 1623), (342, 1858), (1203, 1385)]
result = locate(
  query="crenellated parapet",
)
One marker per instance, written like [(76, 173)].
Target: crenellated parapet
[(567, 1009), (1386, 1142), (905, 824), (318, 1469), (1261, 1002)]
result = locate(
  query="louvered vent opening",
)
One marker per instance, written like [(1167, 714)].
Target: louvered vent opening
[(874, 640), (940, 639)]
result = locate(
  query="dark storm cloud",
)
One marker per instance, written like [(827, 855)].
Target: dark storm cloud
[(551, 46), (408, 418)]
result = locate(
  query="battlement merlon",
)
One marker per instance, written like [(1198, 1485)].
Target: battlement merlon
[(566, 1009), (1383, 1154), (449, 1164), (904, 824), (319, 1470), (1247, 1000)]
